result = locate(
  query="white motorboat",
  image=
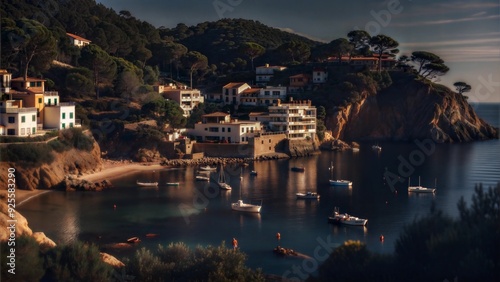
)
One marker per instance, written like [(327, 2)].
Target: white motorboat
[(337, 182), (222, 179), (376, 148), (419, 188), (172, 183), (147, 184), (307, 195), (244, 207), (208, 168), (202, 178), (346, 219)]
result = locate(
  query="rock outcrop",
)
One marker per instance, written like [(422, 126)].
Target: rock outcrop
[(47, 176), (410, 109)]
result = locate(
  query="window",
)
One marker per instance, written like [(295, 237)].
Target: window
[(39, 100), (242, 139), (33, 118), (223, 129), (242, 130), (49, 102), (38, 84), (55, 101), (23, 120), (63, 125), (38, 112), (12, 119), (32, 84), (63, 115), (33, 130), (22, 131), (11, 131), (229, 129), (71, 125), (71, 115)]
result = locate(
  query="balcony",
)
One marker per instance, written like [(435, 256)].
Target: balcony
[(50, 93), (17, 110)]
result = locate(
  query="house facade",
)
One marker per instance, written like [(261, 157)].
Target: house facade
[(219, 128), (78, 40), (264, 74), (297, 119), (231, 92), (188, 99), (16, 120), (299, 82), (30, 96), (320, 75)]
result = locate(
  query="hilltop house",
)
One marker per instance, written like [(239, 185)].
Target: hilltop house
[(218, 127), (78, 40), (33, 107)]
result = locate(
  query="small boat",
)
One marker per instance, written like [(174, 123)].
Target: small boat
[(147, 184), (337, 182), (253, 172), (307, 195), (298, 169), (346, 219), (208, 168), (419, 189), (244, 207), (376, 148), (133, 240), (356, 149), (222, 179), (172, 183), (202, 178)]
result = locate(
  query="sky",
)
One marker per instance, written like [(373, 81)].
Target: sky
[(465, 34)]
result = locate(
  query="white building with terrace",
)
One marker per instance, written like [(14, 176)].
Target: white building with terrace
[(297, 119), (218, 127)]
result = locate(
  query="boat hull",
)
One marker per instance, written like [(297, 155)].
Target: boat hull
[(240, 206), (311, 196), (421, 190), (340, 183)]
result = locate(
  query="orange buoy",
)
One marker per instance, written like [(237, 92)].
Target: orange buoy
[(381, 238), (278, 236)]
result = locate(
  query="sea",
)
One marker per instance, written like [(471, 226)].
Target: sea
[(199, 214)]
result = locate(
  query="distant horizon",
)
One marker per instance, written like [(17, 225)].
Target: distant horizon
[(466, 34)]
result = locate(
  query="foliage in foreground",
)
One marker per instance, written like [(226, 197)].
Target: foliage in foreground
[(433, 248), (177, 262)]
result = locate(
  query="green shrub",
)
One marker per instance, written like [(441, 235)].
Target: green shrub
[(28, 264), (76, 262), (32, 154)]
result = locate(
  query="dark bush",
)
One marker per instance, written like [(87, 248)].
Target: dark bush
[(28, 260), (33, 154)]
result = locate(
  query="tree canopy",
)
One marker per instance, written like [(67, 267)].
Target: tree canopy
[(383, 45), (462, 87)]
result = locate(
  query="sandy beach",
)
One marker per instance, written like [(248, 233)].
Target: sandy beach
[(115, 169), (110, 170)]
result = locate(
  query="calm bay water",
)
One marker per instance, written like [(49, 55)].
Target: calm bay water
[(197, 213)]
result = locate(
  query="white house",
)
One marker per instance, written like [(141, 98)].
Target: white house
[(78, 40), (188, 99), (296, 118), (16, 120), (231, 92), (219, 128), (271, 94), (264, 74), (320, 75), (60, 116)]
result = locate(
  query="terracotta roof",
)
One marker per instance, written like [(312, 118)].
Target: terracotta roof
[(257, 114), (216, 114), (28, 79), (251, 90), (77, 37), (234, 84), (299, 76)]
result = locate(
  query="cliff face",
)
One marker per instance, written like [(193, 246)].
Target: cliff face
[(408, 110), (48, 175)]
